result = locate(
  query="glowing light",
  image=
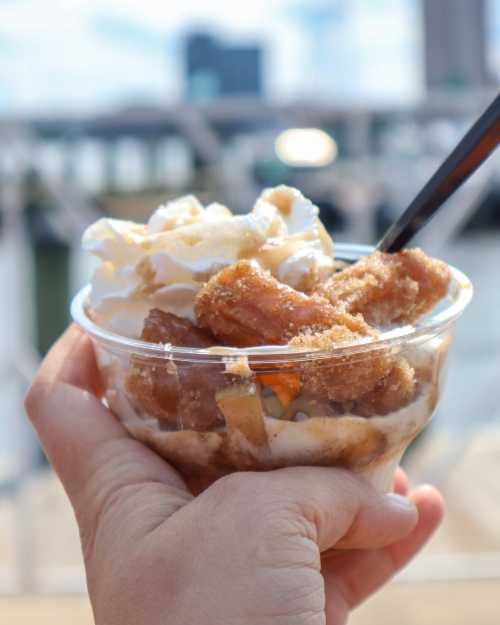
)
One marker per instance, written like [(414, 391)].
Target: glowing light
[(306, 147)]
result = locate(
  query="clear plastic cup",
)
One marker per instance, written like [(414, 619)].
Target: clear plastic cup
[(210, 412)]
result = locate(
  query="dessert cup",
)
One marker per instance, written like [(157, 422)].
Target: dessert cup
[(213, 411)]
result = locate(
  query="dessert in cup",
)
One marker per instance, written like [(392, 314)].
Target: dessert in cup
[(250, 342)]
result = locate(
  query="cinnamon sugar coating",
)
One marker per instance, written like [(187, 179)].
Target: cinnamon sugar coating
[(341, 377), (245, 306), (392, 392), (164, 327), (389, 288)]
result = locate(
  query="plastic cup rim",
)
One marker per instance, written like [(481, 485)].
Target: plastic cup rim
[(461, 291)]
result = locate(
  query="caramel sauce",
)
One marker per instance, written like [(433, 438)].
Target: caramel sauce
[(273, 253), (282, 197)]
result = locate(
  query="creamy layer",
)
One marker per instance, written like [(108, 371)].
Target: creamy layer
[(370, 446), (164, 263)]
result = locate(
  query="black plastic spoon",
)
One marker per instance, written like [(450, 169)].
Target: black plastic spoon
[(475, 147)]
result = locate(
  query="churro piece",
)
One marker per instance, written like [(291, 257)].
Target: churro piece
[(164, 327), (153, 388), (341, 377), (179, 395), (245, 306), (182, 397), (390, 394), (197, 406), (389, 288)]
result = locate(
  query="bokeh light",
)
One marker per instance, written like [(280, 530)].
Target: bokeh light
[(306, 147)]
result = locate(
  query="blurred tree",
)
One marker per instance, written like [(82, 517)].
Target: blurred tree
[(51, 263)]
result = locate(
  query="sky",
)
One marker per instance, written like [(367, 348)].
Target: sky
[(87, 55)]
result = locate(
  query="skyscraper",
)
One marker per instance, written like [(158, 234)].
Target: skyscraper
[(357, 50), (455, 44), (213, 69)]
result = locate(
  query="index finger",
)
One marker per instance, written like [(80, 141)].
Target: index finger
[(71, 361), (62, 401), (81, 437)]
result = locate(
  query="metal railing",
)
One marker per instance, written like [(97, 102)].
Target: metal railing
[(21, 359)]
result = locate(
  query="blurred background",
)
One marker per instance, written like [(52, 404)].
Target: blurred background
[(113, 107)]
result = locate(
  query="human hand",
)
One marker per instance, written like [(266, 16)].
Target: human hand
[(298, 546)]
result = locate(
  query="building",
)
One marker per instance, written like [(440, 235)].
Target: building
[(216, 70), (330, 69), (455, 44)]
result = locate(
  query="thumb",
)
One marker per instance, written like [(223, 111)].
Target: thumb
[(341, 509)]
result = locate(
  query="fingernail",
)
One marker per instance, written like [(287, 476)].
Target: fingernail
[(395, 500), (426, 486)]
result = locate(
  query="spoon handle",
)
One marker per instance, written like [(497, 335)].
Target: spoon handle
[(475, 147)]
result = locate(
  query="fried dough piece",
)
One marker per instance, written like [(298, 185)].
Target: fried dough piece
[(342, 377), (389, 288), (197, 407), (154, 388), (182, 397), (179, 395), (390, 394), (165, 327), (245, 306)]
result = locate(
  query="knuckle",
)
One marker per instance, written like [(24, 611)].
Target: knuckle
[(237, 492), (232, 485)]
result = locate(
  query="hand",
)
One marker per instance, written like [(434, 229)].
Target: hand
[(298, 546)]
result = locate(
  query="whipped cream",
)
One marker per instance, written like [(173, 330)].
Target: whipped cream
[(164, 263)]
